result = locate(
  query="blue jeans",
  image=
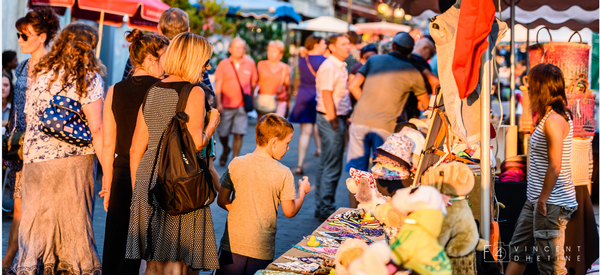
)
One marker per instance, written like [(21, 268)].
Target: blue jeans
[(330, 166), (363, 142)]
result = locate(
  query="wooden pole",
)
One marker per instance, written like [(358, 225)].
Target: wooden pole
[(100, 27)]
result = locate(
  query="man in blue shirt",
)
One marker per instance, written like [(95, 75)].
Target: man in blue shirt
[(382, 86)]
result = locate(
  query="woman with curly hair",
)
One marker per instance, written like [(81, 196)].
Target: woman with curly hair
[(35, 31), (56, 234)]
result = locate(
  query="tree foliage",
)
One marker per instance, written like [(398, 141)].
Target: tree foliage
[(258, 34)]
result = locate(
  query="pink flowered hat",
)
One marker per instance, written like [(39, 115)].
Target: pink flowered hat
[(399, 148)]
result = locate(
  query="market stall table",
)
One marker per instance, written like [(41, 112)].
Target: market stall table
[(293, 252)]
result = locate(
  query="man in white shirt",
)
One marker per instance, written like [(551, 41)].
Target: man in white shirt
[(333, 107)]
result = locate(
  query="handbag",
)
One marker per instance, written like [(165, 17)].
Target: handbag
[(12, 143), (266, 104), (183, 181), (582, 105), (248, 104), (65, 121), (572, 58)]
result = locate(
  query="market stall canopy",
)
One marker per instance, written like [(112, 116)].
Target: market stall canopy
[(554, 14), (263, 9), (574, 17), (143, 14), (380, 28), (323, 24), (558, 35)]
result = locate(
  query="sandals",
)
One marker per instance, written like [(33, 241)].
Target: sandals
[(298, 171), (224, 156)]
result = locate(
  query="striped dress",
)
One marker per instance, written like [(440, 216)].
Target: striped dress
[(564, 190)]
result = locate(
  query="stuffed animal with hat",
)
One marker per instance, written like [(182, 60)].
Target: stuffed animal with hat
[(416, 246), (459, 235), (363, 186)]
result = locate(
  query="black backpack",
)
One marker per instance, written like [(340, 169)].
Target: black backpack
[(183, 181)]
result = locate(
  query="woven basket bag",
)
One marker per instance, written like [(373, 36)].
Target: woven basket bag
[(582, 104), (571, 58)]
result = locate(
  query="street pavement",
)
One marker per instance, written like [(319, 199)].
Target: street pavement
[(289, 231)]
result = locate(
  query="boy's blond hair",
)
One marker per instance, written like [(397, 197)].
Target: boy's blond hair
[(187, 55), (270, 126)]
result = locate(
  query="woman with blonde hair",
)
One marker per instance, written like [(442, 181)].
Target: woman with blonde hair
[(273, 82), (172, 243), (123, 102), (56, 234)]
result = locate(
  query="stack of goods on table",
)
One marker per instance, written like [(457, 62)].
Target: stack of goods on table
[(428, 229), (514, 169), (355, 224)]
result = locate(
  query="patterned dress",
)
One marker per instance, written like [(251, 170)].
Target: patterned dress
[(190, 237), (21, 84)]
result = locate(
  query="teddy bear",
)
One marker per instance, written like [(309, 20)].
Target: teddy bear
[(362, 185), (376, 260), (459, 235), (349, 250), (416, 245), (390, 219)]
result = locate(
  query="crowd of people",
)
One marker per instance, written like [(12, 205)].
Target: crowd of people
[(343, 108)]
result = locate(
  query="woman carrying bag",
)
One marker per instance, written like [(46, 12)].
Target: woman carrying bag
[(274, 81)]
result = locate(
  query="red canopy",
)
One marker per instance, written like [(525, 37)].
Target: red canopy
[(142, 14)]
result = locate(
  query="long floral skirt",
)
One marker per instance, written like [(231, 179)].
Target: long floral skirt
[(56, 234)]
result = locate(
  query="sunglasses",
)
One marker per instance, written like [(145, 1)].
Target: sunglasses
[(22, 35)]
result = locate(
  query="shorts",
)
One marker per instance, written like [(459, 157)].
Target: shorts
[(541, 235), (231, 263), (362, 144), (233, 121)]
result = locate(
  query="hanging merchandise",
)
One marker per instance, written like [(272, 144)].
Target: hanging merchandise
[(572, 58), (474, 25), (580, 160), (463, 114), (582, 104)]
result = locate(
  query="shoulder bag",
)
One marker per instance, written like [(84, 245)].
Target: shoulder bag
[(183, 181), (248, 104), (65, 120), (310, 66), (266, 104)]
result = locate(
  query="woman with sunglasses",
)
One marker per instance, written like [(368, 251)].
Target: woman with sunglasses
[(35, 31), (123, 101)]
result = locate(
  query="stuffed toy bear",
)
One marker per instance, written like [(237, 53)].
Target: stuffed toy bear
[(350, 250), (362, 185), (416, 245), (390, 219), (376, 260), (459, 234)]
